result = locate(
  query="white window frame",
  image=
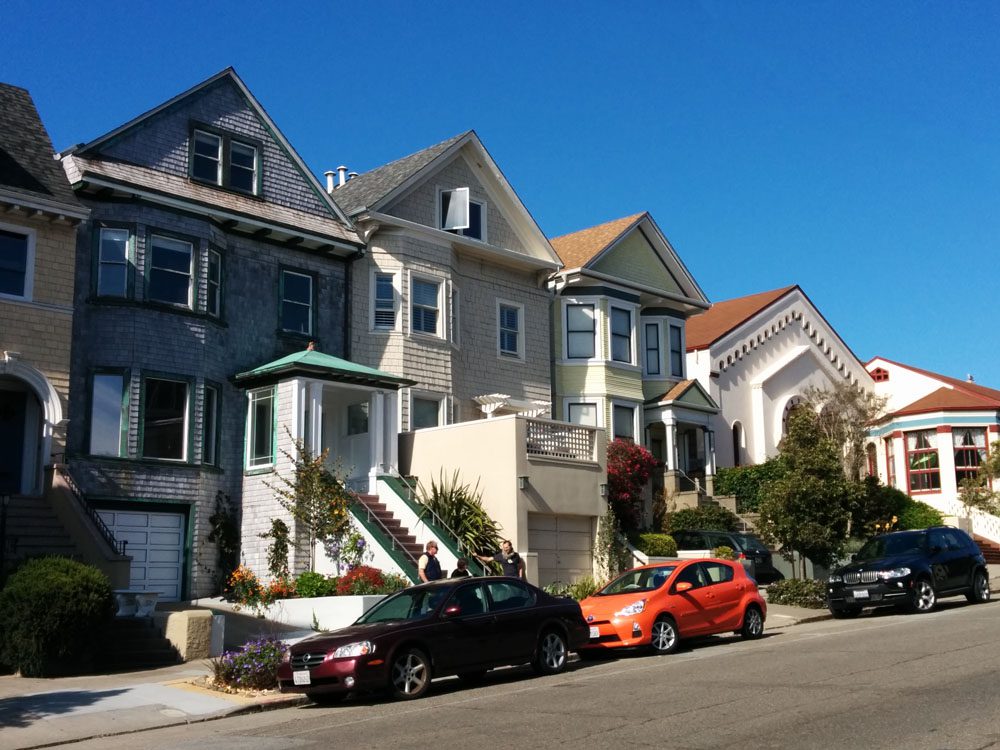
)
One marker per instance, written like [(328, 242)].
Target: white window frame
[(501, 353), (676, 323), (254, 172), (646, 324), (460, 227), (587, 302), (101, 262), (442, 401), (632, 311), (596, 402), (636, 427), (372, 308), (29, 262), (442, 312), (209, 282), (153, 236), (218, 155), (251, 462), (123, 413), (454, 298), (312, 301), (144, 405)]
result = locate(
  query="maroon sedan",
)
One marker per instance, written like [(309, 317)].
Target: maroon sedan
[(459, 626)]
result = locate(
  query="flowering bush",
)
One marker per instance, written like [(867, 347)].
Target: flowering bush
[(252, 667), (629, 468), (349, 550), (244, 589), (366, 580), (310, 584), (281, 588)]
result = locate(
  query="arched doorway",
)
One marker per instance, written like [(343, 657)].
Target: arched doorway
[(21, 429), (795, 402)]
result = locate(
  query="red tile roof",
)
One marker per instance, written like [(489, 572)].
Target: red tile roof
[(706, 328), (579, 248)]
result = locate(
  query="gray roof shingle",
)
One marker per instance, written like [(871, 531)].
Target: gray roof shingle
[(366, 190), (27, 160)]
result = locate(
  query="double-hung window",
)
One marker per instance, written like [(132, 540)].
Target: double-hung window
[(260, 428), (623, 422), (213, 306), (165, 419), (651, 346), (426, 411), (970, 452), (580, 329), (296, 302), (922, 461), (112, 262), (108, 414), (224, 161), (676, 351), (890, 462), (17, 263), (582, 412), (242, 167), (621, 335), (510, 332), (170, 271), (206, 157), (384, 310), (425, 306), (462, 215)]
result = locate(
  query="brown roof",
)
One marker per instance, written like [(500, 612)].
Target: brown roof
[(673, 394), (951, 399), (704, 329), (579, 248), (152, 180)]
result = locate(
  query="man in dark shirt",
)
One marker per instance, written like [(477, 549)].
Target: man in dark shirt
[(428, 567), (509, 560)]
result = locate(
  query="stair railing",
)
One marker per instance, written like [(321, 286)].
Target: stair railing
[(375, 520), (117, 546)]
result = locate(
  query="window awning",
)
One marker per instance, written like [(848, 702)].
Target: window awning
[(491, 403)]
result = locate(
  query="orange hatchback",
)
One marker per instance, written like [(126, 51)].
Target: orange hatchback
[(657, 605)]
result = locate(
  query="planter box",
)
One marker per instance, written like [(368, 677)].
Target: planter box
[(325, 612)]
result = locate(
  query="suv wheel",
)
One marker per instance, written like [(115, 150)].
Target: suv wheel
[(923, 597), (980, 592)]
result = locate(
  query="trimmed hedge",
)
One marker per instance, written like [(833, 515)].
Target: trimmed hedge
[(53, 612), (657, 545), (704, 517), (798, 592), (747, 482), (918, 515)]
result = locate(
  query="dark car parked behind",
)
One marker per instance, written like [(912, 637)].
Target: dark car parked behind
[(910, 569), (745, 545), (462, 626)]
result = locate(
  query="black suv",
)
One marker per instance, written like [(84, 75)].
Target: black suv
[(910, 569), (746, 546)]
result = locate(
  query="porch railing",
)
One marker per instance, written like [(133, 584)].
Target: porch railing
[(117, 546), (559, 440)]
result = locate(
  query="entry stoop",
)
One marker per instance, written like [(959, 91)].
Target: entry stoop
[(132, 643)]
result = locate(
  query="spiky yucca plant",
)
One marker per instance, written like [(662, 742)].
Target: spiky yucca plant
[(461, 508)]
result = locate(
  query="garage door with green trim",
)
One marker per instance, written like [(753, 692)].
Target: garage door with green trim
[(564, 545), (156, 546)]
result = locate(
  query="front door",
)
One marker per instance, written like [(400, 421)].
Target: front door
[(13, 411)]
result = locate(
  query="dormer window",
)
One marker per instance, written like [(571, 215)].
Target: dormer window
[(462, 215), (224, 161)]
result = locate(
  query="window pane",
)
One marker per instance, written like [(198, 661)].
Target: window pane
[(475, 228), (357, 419), (112, 270), (106, 409), (509, 329), (583, 414), (164, 419), (214, 283), (425, 293), (455, 208), (211, 419), (242, 167), (114, 245), (170, 271), (580, 331), (297, 287), (652, 349), (580, 345), (205, 162), (624, 426), (13, 263), (385, 302), (112, 280), (426, 413), (676, 352), (425, 302), (296, 306), (621, 335), (261, 427)]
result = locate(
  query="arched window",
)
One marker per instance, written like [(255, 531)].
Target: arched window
[(795, 402), (737, 444)]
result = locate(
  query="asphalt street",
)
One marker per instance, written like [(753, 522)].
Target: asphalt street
[(885, 680)]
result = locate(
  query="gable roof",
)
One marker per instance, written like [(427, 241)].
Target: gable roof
[(577, 249), (954, 395), (311, 363), (368, 190), (704, 329), (28, 168), (688, 393), (229, 73)]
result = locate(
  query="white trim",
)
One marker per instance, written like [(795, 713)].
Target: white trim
[(29, 261), (129, 260), (144, 404), (442, 310), (396, 297), (424, 395), (149, 268), (632, 311), (636, 408), (644, 345), (565, 303), (247, 466), (460, 231), (676, 323), (284, 299), (598, 402), (454, 309), (519, 355)]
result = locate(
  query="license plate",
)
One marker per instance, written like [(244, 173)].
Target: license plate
[(301, 678), (860, 594), (595, 632)]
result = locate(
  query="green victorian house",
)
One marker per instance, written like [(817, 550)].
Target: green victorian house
[(621, 302)]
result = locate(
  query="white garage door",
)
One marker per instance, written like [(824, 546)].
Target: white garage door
[(564, 544), (156, 546)]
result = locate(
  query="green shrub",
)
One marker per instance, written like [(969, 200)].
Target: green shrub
[(747, 482), (724, 552), (309, 584), (798, 592), (657, 545), (461, 508), (252, 667), (918, 515), (52, 613), (706, 517), (579, 589)]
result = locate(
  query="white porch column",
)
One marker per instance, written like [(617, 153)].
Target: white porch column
[(756, 435), (709, 437), (670, 430), (315, 411), (390, 431), (376, 438)]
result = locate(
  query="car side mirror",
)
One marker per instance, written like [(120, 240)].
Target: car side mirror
[(452, 611), (683, 586)]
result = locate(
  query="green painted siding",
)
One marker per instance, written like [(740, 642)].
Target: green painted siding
[(635, 260)]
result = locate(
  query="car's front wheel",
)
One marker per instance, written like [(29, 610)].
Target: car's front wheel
[(664, 636), (410, 676), (923, 598), (552, 654), (753, 623), (980, 592)]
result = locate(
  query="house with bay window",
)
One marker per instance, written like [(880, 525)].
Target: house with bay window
[(212, 296), (936, 433), (619, 312)]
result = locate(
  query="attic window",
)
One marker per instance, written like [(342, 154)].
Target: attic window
[(462, 215), (221, 160), (879, 375)]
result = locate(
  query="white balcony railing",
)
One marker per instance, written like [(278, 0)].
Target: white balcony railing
[(559, 440)]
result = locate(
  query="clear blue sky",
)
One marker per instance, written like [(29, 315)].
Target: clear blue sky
[(852, 148)]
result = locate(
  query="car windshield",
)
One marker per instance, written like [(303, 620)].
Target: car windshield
[(640, 579), (894, 544), (411, 604), (750, 543)]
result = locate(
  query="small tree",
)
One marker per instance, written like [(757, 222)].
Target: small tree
[(976, 493), (846, 411), (610, 549), (629, 468), (277, 550), (808, 509), (316, 498)]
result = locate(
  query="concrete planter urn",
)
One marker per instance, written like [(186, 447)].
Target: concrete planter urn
[(322, 612)]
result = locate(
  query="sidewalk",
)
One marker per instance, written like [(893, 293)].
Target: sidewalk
[(39, 712)]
